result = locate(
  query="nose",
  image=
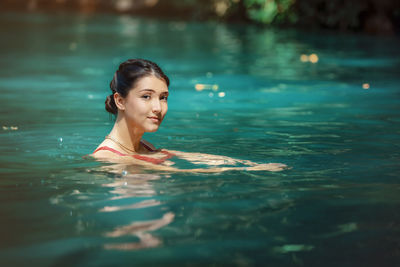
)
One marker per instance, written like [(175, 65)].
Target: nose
[(156, 108)]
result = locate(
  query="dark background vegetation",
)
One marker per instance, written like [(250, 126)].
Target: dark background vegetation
[(372, 16)]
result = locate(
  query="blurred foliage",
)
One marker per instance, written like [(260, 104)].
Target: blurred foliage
[(356, 15), (267, 12)]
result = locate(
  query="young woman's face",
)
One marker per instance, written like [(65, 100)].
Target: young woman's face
[(146, 104)]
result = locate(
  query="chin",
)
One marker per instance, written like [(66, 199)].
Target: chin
[(151, 129)]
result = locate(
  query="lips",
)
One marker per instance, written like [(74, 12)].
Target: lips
[(154, 119)]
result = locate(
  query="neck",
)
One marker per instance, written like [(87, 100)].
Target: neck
[(127, 134)]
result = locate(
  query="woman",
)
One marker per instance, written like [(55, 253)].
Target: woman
[(139, 99)]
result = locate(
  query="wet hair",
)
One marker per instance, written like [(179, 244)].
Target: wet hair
[(127, 75)]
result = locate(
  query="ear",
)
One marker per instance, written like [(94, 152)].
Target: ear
[(119, 101)]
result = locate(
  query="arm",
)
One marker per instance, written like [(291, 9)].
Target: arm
[(212, 160), (196, 158), (259, 167), (216, 160)]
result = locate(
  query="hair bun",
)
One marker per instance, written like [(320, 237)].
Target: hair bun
[(110, 104)]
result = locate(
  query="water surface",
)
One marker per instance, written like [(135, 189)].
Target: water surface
[(338, 205)]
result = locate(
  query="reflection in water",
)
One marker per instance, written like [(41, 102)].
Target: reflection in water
[(143, 204), (129, 26), (313, 58), (365, 86), (133, 185), (140, 230), (130, 185), (126, 190)]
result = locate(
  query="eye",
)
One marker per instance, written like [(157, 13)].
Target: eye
[(164, 97), (146, 96)]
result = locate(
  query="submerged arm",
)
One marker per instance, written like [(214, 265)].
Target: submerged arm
[(212, 160), (259, 167), (216, 160)]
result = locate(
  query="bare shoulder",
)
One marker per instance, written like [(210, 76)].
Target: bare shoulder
[(103, 154), (103, 151), (106, 155)]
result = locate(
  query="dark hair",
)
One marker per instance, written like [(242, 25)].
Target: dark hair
[(127, 75)]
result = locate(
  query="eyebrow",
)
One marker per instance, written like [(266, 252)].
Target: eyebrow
[(151, 90)]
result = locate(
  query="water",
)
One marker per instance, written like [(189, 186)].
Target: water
[(338, 205)]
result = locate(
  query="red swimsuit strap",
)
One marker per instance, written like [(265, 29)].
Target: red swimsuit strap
[(168, 155)]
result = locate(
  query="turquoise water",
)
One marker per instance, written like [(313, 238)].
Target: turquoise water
[(338, 205)]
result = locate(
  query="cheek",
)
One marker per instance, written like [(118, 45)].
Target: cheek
[(137, 106)]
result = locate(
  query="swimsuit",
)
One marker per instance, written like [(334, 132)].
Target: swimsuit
[(168, 155)]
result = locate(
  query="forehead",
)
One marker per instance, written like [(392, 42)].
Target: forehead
[(151, 82)]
